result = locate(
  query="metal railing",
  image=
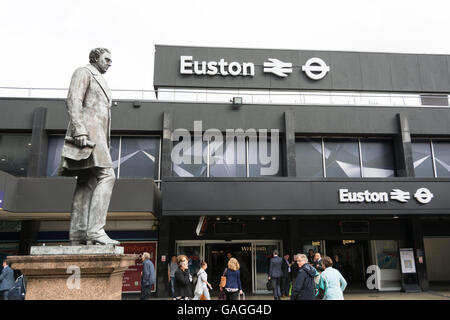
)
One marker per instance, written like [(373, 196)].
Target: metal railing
[(248, 96)]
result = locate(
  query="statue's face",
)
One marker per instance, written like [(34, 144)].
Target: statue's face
[(104, 62)]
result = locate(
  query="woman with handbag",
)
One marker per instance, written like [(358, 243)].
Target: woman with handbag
[(233, 286), (202, 283)]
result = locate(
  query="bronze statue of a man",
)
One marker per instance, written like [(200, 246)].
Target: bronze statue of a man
[(85, 152)]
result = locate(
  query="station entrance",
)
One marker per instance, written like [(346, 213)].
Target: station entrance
[(253, 257)]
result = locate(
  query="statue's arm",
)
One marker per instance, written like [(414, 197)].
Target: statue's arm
[(77, 91)]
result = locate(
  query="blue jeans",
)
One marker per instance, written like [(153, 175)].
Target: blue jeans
[(172, 286)]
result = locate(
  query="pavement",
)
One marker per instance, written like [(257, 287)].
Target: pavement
[(368, 295)]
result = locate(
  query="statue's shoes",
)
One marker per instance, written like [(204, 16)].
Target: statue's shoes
[(103, 240), (77, 242)]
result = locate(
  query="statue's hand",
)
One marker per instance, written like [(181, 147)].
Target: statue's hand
[(81, 141)]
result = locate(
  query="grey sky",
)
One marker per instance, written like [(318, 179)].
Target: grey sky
[(43, 41)]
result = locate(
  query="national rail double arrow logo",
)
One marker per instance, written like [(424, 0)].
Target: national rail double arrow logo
[(278, 67)]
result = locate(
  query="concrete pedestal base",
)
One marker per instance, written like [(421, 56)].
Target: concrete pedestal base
[(73, 276)]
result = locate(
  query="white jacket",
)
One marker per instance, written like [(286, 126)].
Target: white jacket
[(201, 284)]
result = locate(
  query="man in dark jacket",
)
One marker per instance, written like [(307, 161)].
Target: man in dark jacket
[(304, 287), (286, 279), (6, 280), (275, 274), (148, 277)]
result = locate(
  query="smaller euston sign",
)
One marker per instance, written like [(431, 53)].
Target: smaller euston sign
[(422, 195)]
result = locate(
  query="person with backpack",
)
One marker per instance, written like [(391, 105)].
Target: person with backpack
[(304, 287)]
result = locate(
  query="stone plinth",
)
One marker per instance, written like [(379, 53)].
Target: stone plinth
[(74, 273)]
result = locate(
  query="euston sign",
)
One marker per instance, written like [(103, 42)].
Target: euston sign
[(422, 195), (314, 68)]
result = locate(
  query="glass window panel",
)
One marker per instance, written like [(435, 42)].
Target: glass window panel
[(255, 96), (342, 158), (185, 95), (309, 160), (316, 98), (383, 99), (166, 94), (284, 97), (344, 98), (220, 95), (377, 158), (260, 167), (423, 162), (114, 151), (192, 169), (55, 144), (442, 158), (15, 152), (228, 162), (139, 157)]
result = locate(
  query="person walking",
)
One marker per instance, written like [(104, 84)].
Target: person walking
[(202, 283), (275, 274), (310, 256), (331, 281), (233, 286), (304, 287), (183, 280), (317, 263), (337, 265), (6, 280), (148, 276), (172, 268), (286, 278)]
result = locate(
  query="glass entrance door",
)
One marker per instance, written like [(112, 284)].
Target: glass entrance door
[(262, 253), (194, 251)]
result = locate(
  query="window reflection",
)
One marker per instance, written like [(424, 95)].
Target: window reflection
[(132, 156), (15, 152)]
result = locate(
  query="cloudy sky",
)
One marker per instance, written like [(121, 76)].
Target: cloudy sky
[(43, 41)]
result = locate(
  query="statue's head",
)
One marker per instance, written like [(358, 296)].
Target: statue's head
[(101, 58)]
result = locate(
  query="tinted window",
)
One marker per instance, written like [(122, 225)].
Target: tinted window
[(377, 158), (423, 162), (309, 161), (342, 158), (15, 152)]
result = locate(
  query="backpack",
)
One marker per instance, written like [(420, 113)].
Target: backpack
[(17, 292)]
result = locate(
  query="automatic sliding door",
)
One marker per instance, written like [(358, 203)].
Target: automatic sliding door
[(262, 255), (194, 251)]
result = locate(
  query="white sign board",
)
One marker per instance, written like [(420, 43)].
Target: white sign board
[(407, 260)]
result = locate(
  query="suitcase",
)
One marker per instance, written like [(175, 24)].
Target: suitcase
[(243, 296)]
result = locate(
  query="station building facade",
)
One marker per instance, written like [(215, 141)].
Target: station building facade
[(344, 153)]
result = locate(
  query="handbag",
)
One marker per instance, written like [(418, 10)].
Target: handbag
[(321, 291), (269, 285), (223, 280)]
